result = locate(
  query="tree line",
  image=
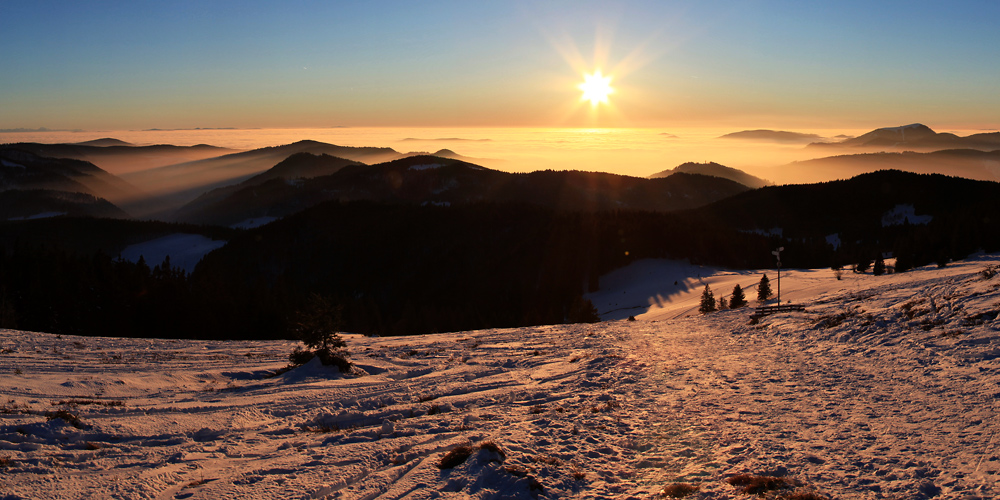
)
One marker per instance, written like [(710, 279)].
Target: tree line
[(406, 269)]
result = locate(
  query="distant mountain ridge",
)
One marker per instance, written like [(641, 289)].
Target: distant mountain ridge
[(181, 183), (715, 170), (773, 136), (120, 157), (435, 180), (916, 136), (968, 163), (24, 170)]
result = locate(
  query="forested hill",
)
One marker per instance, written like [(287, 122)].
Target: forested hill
[(400, 268), (425, 179)]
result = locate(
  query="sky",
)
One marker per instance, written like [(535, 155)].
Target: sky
[(119, 65)]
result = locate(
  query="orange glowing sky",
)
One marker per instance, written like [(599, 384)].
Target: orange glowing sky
[(762, 63)]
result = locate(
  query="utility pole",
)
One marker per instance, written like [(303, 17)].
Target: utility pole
[(777, 253)]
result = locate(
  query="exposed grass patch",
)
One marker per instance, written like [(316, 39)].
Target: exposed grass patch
[(832, 321), (804, 495), (493, 447), (547, 460), (678, 490), (516, 470), (759, 485), (66, 416), (321, 429), (199, 482), (457, 456), (81, 402)]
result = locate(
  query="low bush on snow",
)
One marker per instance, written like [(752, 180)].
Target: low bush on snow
[(317, 326), (459, 454), (678, 490)]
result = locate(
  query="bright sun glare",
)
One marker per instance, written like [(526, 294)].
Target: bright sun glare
[(596, 88)]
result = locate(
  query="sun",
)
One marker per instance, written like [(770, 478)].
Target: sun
[(596, 88)]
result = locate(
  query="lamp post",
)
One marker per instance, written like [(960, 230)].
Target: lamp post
[(777, 253)]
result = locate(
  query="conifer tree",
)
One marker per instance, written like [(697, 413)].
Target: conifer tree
[(317, 326), (879, 268), (738, 299), (862, 266), (764, 289), (707, 301)]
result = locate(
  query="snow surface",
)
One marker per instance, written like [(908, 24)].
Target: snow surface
[(426, 166), (41, 215), (185, 250), (833, 240), (885, 387), (904, 213), (254, 222), (11, 164)]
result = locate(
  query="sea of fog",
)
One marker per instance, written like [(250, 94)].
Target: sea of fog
[(629, 151)]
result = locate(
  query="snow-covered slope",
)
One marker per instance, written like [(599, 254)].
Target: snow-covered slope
[(885, 387), (184, 250)]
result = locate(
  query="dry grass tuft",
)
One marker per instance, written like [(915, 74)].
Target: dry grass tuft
[(321, 429), (457, 456), (66, 416), (759, 485), (495, 448), (516, 470), (545, 459), (805, 495), (81, 402), (678, 490)]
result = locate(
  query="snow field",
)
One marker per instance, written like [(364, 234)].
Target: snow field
[(185, 250), (884, 387)]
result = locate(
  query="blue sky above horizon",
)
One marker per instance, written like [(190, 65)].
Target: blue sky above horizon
[(780, 64)]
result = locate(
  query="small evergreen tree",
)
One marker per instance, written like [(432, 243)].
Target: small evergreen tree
[(879, 268), (739, 299), (707, 301), (582, 311), (764, 289), (723, 304), (317, 326), (838, 272), (862, 266), (904, 262)]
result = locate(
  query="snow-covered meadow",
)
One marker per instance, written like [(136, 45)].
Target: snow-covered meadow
[(885, 387)]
